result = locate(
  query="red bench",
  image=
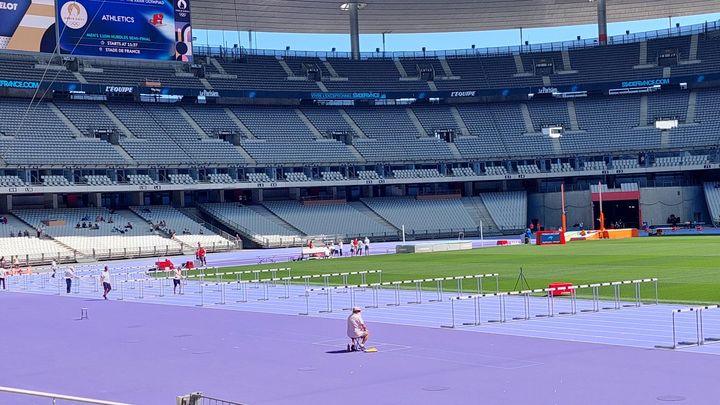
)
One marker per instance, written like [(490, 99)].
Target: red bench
[(561, 292)]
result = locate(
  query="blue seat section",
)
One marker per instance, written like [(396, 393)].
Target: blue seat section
[(256, 72), (27, 67), (35, 135), (127, 74)]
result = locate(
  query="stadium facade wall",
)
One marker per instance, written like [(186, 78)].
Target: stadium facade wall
[(546, 207), (657, 203)]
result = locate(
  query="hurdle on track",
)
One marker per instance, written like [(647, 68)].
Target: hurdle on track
[(265, 284), (395, 286), (698, 327), (526, 296)]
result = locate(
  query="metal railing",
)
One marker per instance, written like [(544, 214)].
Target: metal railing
[(198, 398), (237, 53), (427, 234), (155, 251), (53, 398), (25, 260)]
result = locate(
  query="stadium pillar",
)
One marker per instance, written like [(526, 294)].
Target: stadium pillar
[(96, 199), (353, 9), (217, 196), (51, 201), (178, 198), (468, 189), (6, 203), (602, 22), (137, 198), (257, 195)]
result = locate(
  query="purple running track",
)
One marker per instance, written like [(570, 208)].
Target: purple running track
[(148, 354)]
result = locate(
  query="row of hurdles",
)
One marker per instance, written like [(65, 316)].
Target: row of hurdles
[(214, 288)]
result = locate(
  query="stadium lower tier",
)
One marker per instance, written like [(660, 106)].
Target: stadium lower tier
[(72, 227)]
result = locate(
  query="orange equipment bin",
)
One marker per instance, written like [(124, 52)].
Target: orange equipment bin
[(563, 292)]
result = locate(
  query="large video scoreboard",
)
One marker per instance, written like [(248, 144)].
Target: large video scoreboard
[(142, 29)]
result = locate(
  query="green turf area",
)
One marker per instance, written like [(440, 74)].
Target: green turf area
[(688, 267)]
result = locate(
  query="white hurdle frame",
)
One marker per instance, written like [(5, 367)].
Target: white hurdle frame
[(501, 296), (700, 338)]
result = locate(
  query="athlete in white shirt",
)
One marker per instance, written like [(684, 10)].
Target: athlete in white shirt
[(53, 266), (105, 279), (177, 276), (69, 276), (367, 246), (356, 327)]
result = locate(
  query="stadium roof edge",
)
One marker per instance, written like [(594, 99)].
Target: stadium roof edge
[(427, 16), (472, 52)]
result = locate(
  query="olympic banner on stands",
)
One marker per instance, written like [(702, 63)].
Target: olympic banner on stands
[(27, 25), (137, 29)]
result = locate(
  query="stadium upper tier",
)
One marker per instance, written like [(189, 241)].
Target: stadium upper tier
[(695, 54), (503, 136)]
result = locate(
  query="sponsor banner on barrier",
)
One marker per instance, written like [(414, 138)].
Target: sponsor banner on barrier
[(119, 89), (27, 26), (348, 96), (19, 84), (645, 83), (550, 238), (208, 93), (138, 29), (548, 90), (463, 94), (519, 93)]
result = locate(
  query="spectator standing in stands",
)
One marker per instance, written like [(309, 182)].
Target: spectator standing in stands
[(15, 262), (367, 246), (53, 266), (105, 279), (177, 277), (2, 276), (69, 276)]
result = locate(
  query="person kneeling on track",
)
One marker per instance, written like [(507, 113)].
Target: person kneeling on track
[(357, 330)]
